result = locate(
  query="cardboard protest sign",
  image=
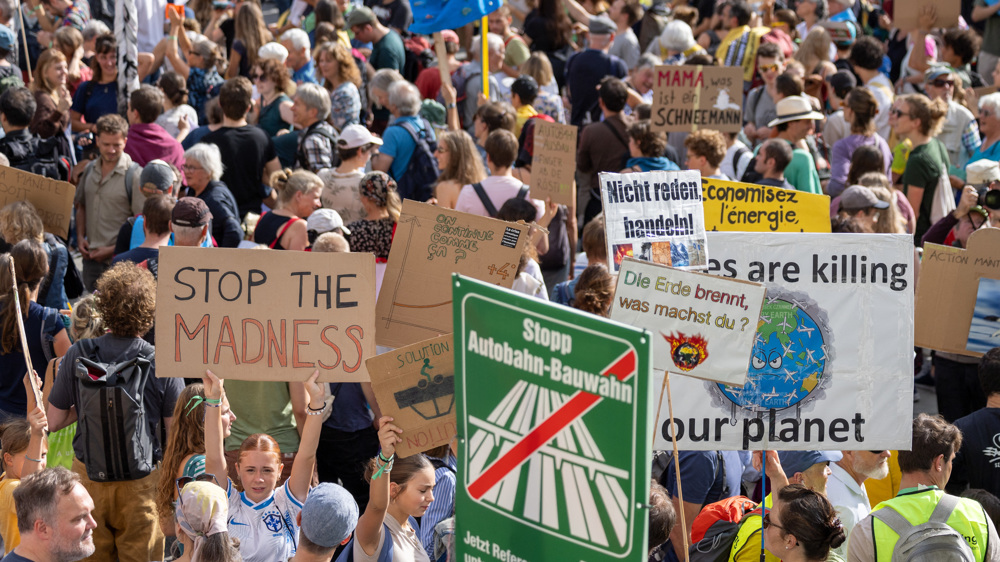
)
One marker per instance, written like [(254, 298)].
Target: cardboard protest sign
[(553, 164), (832, 359), (553, 414), (654, 216), (414, 303), (703, 325), (52, 199), (746, 207), (264, 315), (947, 295), (905, 15), (688, 98), (416, 386)]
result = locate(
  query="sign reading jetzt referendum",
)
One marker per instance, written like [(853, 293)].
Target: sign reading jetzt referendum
[(553, 413), (655, 216)]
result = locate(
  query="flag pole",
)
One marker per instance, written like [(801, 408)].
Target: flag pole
[(484, 26)]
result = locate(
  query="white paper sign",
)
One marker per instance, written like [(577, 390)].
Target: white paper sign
[(832, 360)]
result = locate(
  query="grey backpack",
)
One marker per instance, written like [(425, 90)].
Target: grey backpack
[(110, 405), (933, 541)]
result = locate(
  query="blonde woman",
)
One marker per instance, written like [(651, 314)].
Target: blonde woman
[(52, 96), (251, 33), (548, 102), (342, 79), (814, 50), (460, 164), (298, 196), (382, 207)]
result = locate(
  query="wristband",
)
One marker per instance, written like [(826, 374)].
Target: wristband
[(450, 105), (27, 458), (320, 409), (172, 37), (383, 459)]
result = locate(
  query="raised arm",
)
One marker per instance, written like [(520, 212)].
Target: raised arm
[(305, 459), (215, 452), (370, 523), (33, 461)]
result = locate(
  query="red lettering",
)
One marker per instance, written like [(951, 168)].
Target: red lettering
[(296, 342), (357, 345), (333, 346), (276, 344), (260, 352), (227, 328), (180, 325)]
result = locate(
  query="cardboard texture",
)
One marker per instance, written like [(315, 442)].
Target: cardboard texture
[(264, 315), (703, 325), (906, 14), (415, 385), (687, 98), (431, 243), (656, 217), (52, 199), (554, 163), (947, 289), (746, 207)]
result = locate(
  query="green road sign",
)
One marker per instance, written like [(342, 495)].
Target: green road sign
[(554, 430)]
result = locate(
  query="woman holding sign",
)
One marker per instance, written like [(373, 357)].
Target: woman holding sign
[(264, 516), (47, 334)]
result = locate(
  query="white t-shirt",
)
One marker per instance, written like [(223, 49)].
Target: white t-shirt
[(170, 118), (882, 88), (268, 530), (849, 499), (406, 545), (499, 189)]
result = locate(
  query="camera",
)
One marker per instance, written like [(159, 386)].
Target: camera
[(989, 198)]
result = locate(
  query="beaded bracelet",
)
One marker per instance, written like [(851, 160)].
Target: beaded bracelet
[(386, 467)]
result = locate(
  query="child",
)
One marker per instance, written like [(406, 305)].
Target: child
[(264, 516), (23, 454)]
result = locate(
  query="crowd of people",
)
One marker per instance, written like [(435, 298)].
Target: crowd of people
[(307, 134)]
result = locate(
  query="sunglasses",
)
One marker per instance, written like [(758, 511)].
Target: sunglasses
[(877, 452), (185, 480), (943, 84), (769, 67), (898, 112), (768, 523)]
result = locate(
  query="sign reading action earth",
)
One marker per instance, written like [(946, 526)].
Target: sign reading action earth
[(553, 422)]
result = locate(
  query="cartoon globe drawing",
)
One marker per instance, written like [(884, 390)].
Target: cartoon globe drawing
[(791, 353)]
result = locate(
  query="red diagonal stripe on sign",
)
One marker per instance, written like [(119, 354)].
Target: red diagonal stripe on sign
[(573, 409)]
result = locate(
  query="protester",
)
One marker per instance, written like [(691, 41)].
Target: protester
[(24, 453), (317, 138), (460, 165), (97, 96), (177, 116), (594, 290), (646, 148), (341, 79), (52, 97), (759, 107), (327, 520), (846, 487), (298, 196), (382, 207), (918, 119), (604, 144), (860, 109), (156, 213), (705, 151), (802, 525), (340, 185), (273, 112), (203, 167), (202, 513), (973, 465), (54, 518), (794, 122), (772, 159)]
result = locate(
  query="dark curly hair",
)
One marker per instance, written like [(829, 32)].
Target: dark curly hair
[(651, 143), (126, 299)]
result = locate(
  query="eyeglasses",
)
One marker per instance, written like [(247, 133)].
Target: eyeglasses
[(185, 480), (985, 114), (898, 112), (769, 67), (768, 523), (943, 84), (191, 168), (255, 77)]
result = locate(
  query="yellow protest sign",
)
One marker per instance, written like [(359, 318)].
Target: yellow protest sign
[(745, 207)]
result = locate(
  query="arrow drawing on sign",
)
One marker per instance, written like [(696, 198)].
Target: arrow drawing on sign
[(579, 404)]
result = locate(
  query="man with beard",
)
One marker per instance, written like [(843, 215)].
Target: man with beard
[(53, 517), (846, 487)]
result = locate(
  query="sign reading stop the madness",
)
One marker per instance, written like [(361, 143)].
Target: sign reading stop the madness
[(553, 416)]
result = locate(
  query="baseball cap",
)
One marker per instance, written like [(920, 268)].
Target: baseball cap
[(329, 515), (800, 461), (360, 15), (190, 211), (273, 51), (325, 220), (602, 25), (157, 175), (356, 135), (7, 39), (982, 172), (935, 72), (860, 197)]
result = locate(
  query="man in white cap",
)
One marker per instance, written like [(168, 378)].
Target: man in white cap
[(327, 520), (794, 123)]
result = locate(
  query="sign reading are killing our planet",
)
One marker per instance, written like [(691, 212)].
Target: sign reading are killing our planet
[(688, 98), (276, 316), (656, 217), (747, 207), (702, 325), (415, 385)]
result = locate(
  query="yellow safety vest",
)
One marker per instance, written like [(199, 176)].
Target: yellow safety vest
[(916, 506), (746, 547)]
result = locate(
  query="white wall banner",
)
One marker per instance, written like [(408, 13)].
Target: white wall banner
[(657, 217), (832, 360)]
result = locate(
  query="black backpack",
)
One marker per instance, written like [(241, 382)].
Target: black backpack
[(316, 129), (110, 405), (46, 161), (422, 172)]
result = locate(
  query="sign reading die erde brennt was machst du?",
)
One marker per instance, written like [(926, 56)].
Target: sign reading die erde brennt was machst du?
[(553, 417)]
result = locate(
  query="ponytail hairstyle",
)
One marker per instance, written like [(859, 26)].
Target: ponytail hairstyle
[(380, 189), (221, 547), (263, 443), (930, 113), (811, 518), (594, 290), (31, 263), (85, 320), (210, 53), (403, 470), (288, 183), (864, 106), (174, 87), (15, 435)]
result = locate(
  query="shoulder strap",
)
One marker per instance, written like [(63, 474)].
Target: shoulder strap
[(490, 208), (893, 520), (86, 173), (523, 192), (281, 231), (386, 555), (128, 180), (942, 511), (617, 135)]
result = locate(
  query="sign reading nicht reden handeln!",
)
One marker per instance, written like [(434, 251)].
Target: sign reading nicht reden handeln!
[(553, 417)]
